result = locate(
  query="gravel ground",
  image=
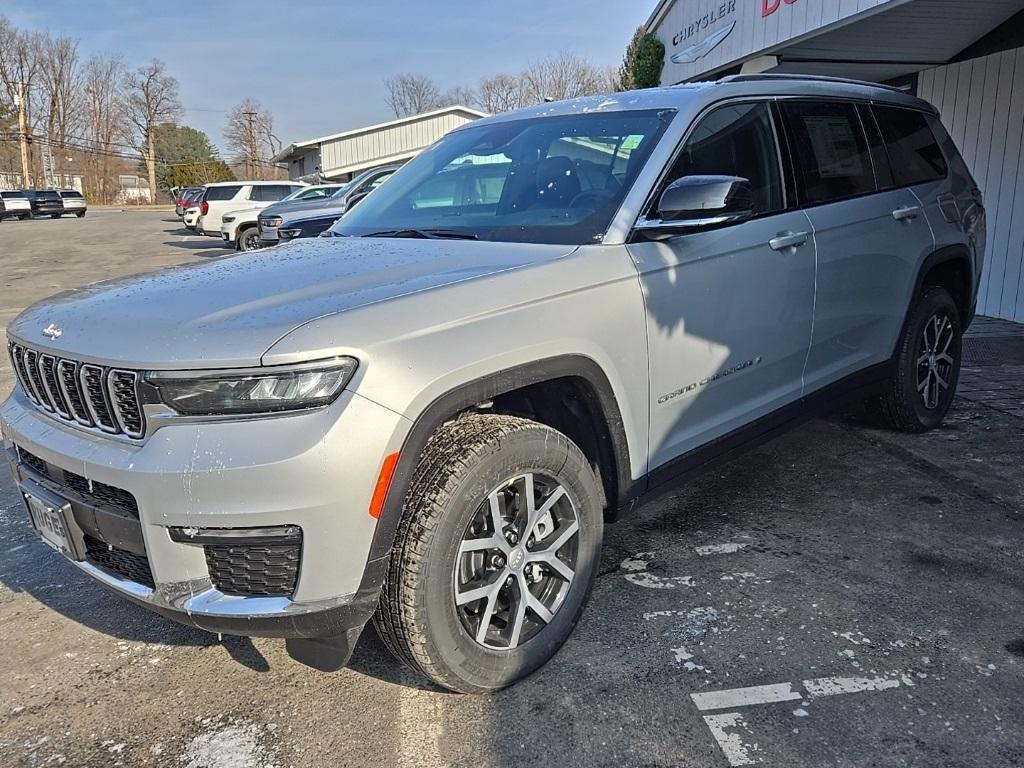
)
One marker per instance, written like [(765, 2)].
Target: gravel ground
[(840, 597)]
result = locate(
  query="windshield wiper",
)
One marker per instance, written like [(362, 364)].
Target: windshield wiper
[(426, 234)]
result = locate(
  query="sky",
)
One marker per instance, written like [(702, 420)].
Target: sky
[(319, 66)]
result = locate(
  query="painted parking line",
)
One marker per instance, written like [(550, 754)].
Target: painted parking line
[(745, 697), (731, 731)]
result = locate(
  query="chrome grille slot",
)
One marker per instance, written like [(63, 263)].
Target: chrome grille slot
[(124, 398), (18, 361), (95, 397), (67, 376), (48, 373), (89, 395), (31, 359)]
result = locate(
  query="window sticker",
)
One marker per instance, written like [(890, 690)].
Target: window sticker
[(834, 144)]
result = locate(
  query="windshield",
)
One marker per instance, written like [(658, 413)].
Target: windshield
[(553, 179)]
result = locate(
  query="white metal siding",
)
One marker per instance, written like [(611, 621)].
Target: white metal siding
[(982, 103), (358, 150)]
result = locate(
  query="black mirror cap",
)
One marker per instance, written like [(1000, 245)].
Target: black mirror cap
[(701, 197)]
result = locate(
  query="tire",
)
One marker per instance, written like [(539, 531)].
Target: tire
[(80, 214), (55, 215), (905, 405), (248, 239), (25, 216), (469, 466)]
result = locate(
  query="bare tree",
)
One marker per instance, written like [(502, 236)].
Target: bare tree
[(103, 124), (501, 93), (410, 94), (250, 136), (150, 98), (565, 76), (460, 95), (19, 71), (61, 84)]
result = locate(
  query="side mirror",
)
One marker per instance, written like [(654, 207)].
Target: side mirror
[(696, 202), (357, 198)]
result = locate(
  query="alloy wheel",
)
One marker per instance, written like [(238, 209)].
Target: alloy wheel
[(934, 361), (516, 561)]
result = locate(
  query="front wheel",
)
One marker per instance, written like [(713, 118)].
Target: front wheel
[(249, 239), (495, 554), (922, 388)]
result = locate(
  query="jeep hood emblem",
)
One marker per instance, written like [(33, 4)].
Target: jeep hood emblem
[(53, 331)]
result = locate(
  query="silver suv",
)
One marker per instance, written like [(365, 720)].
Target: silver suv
[(537, 323)]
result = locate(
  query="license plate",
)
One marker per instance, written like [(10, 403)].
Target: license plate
[(50, 523)]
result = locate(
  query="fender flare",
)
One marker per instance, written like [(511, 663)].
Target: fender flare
[(480, 390), (943, 255)]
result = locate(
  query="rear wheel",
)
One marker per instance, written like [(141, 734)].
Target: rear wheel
[(55, 215), (921, 391), (80, 214), (249, 239), (495, 555)]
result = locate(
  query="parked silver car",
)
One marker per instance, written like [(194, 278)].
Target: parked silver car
[(534, 325)]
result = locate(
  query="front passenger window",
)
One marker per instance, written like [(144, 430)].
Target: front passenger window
[(736, 140)]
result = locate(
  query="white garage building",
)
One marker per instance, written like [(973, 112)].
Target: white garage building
[(965, 56), (341, 156)]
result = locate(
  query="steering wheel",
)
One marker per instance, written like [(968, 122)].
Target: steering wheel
[(591, 198)]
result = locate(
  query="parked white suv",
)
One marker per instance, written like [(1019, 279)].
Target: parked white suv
[(240, 228), (14, 204), (225, 196)]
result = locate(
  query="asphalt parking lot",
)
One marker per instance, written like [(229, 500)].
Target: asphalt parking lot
[(840, 597)]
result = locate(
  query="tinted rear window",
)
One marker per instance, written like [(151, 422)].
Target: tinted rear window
[(70, 194), (270, 193), (221, 193), (913, 152), (831, 153), (47, 195), (12, 196)]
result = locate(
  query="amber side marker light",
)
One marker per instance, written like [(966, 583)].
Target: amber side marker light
[(380, 492)]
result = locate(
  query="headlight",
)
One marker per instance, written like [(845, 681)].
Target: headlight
[(227, 219), (253, 390), (272, 221)]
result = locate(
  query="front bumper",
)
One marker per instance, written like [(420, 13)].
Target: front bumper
[(315, 470)]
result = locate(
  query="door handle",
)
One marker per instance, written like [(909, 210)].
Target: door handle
[(907, 213), (785, 240)]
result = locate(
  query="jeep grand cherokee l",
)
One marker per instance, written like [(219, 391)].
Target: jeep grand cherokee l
[(426, 418)]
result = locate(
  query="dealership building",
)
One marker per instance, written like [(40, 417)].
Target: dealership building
[(964, 56)]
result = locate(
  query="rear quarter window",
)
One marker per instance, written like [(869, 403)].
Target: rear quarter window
[(914, 154), (214, 194)]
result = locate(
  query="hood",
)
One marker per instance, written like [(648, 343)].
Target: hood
[(301, 207), (229, 312)]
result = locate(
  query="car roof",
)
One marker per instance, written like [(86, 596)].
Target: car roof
[(701, 93), (255, 183)]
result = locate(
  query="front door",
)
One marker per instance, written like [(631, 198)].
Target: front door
[(728, 309)]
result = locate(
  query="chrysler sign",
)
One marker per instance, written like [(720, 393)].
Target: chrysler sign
[(701, 48)]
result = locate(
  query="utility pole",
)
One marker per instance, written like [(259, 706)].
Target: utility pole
[(19, 99), (251, 149)]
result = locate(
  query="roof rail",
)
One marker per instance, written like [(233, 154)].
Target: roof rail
[(770, 76)]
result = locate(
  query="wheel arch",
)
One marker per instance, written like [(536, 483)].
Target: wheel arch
[(949, 267), (504, 391)]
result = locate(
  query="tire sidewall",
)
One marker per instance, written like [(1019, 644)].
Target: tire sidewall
[(470, 666), (934, 301)]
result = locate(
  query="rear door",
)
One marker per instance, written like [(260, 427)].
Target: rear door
[(729, 308), (869, 236)]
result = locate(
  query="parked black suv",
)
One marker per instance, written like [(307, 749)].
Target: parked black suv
[(45, 202)]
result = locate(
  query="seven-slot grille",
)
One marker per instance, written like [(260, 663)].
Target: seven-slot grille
[(90, 395)]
